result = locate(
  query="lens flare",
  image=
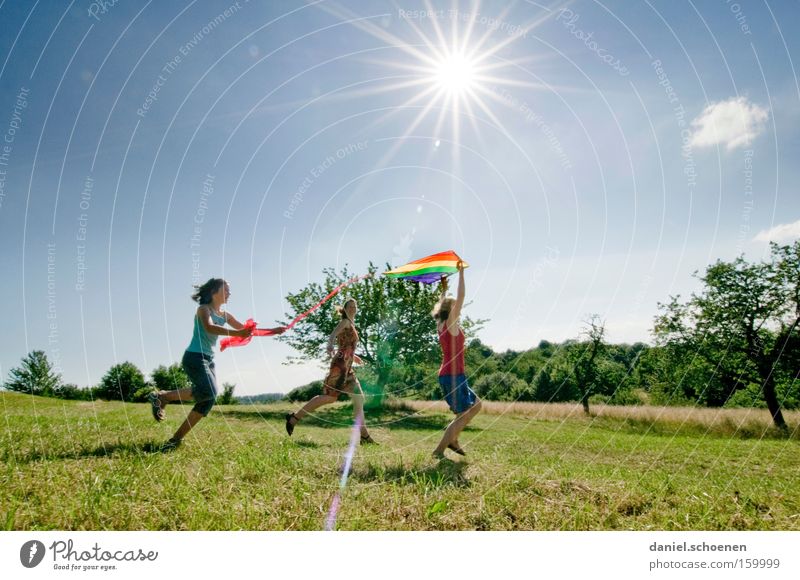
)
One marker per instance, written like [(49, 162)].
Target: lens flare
[(355, 435)]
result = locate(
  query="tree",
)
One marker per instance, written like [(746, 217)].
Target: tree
[(673, 376), (305, 392), (226, 398), (555, 382), (121, 382), (585, 358), (743, 323), (503, 387), (171, 378), (396, 331), (35, 376)]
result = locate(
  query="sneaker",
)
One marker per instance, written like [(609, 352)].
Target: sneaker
[(155, 406)]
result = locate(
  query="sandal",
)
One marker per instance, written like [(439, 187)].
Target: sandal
[(457, 449), (155, 406), (368, 440), (289, 425)]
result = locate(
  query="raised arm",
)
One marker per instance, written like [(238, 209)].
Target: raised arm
[(455, 312)]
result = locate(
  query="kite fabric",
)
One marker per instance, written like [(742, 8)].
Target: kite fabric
[(240, 341), (428, 270)]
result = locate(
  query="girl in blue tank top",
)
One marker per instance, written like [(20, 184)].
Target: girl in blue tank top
[(198, 360)]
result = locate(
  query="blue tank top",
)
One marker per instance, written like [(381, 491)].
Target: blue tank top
[(203, 342)]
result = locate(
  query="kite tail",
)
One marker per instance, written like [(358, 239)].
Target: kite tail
[(241, 341)]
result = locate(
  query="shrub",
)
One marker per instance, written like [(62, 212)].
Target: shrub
[(502, 387), (121, 383)]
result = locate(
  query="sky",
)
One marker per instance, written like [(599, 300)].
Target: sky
[(583, 157)]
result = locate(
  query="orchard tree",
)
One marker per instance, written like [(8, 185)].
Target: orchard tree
[(743, 323), (585, 357), (395, 328)]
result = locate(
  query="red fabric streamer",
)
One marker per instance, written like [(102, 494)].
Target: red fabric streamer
[(240, 341)]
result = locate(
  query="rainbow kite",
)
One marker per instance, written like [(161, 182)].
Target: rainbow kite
[(428, 270)]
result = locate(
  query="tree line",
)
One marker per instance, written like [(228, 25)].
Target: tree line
[(122, 382), (735, 342)]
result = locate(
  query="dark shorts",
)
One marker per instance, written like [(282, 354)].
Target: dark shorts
[(457, 392), (200, 369)]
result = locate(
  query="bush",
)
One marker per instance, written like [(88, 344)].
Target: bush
[(305, 392), (171, 378), (750, 396), (555, 385), (73, 392), (502, 387), (140, 396), (625, 397), (121, 383), (226, 398)]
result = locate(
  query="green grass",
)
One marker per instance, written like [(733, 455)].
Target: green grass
[(95, 466)]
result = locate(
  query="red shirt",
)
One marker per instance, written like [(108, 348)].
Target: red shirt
[(452, 352)]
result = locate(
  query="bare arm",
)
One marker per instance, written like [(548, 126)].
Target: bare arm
[(232, 322), (204, 315), (455, 312), (238, 325), (334, 334)]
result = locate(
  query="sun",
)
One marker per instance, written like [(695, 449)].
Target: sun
[(455, 74)]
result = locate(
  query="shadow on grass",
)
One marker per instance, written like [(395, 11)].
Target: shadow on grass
[(444, 473), (130, 448), (342, 416)]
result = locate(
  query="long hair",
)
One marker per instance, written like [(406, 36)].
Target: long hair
[(441, 310), (202, 294), (340, 310)]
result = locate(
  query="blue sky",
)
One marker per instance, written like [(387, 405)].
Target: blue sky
[(605, 153)]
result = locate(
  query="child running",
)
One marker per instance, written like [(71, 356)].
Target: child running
[(341, 378), (198, 360)]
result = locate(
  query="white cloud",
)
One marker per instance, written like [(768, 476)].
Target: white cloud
[(734, 122), (780, 233)]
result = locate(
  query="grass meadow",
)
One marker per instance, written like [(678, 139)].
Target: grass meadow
[(96, 466)]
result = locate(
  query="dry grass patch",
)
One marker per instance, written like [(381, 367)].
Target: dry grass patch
[(746, 423)]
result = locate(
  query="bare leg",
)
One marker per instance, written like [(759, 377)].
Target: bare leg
[(179, 395), (187, 425), (312, 405), (455, 427), (357, 396)]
